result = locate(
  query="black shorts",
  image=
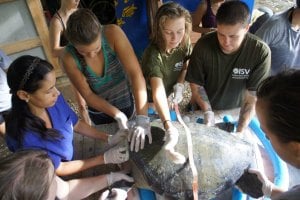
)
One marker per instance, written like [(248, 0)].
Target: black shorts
[(2, 115)]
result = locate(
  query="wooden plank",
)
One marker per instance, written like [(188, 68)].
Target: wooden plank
[(5, 1), (39, 20), (22, 45), (78, 150), (88, 152)]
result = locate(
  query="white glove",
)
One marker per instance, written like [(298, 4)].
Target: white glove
[(171, 139), (117, 154), (138, 133), (178, 93), (267, 186), (114, 194), (209, 118), (117, 137), (122, 120), (117, 176)]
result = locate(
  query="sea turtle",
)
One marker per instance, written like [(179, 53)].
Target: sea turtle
[(220, 158)]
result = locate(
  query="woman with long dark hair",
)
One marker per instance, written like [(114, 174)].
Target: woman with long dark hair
[(41, 119)]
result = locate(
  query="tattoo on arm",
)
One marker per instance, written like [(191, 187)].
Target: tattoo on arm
[(204, 96), (247, 110)]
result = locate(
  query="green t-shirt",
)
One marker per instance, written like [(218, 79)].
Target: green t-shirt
[(225, 77), (163, 65)]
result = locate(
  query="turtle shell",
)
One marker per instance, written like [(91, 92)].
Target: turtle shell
[(220, 158)]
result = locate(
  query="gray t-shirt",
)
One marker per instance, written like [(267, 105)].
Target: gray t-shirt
[(5, 96), (283, 41)]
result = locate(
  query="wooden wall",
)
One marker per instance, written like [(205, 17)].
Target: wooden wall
[(24, 30)]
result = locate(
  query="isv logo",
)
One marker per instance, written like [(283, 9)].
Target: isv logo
[(178, 66), (240, 73)]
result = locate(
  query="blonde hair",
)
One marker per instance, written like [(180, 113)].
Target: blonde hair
[(170, 10)]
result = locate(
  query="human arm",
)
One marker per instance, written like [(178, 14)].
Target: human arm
[(55, 31), (162, 107), (85, 129), (247, 110), (121, 45), (82, 188), (259, 73), (82, 107), (200, 97), (179, 86), (115, 155), (72, 167), (181, 77), (79, 81), (160, 101)]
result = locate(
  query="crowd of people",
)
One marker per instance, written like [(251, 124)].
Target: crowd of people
[(227, 68)]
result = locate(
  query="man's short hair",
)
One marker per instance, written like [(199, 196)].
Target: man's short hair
[(232, 13)]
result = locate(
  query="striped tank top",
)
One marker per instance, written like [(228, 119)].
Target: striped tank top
[(113, 86)]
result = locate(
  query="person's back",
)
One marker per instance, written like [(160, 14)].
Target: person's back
[(57, 27), (282, 33)]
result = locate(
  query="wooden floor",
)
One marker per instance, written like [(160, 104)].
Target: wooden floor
[(84, 148)]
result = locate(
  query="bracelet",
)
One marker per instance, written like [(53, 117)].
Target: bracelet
[(164, 123)]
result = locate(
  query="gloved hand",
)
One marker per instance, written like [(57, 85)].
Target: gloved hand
[(122, 120), (138, 133), (117, 137), (117, 176), (209, 118), (267, 185), (117, 154), (114, 194), (244, 134), (178, 93), (171, 139)]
